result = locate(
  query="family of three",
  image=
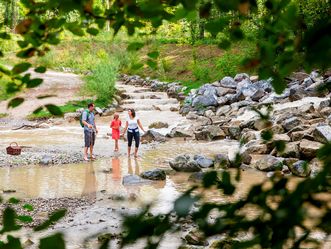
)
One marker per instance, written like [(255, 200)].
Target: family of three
[(132, 126)]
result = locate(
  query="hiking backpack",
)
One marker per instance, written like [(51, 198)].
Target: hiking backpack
[(81, 117)]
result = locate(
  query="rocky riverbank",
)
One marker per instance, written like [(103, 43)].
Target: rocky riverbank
[(226, 109)]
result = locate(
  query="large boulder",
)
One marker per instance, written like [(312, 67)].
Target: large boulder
[(152, 136), (268, 163), (228, 82), (209, 133), (203, 161), (308, 149), (155, 174), (322, 133), (300, 168), (184, 163)]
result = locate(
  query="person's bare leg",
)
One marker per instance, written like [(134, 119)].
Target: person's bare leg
[(136, 152), (116, 145), (91, 152), (85, 153), (129, 151)]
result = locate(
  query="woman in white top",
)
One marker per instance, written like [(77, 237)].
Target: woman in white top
[(132, 128)]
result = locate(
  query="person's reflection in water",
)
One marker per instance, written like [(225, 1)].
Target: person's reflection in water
[(116, 168), (133, 190), (136, 167), (90, 187)]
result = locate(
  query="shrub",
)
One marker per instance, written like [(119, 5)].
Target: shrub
[(101, 82)]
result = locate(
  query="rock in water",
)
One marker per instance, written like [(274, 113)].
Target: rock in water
[(300, 168), (46, 160), (269, 163), (184, 163), (155, 175), (134, 179), (322, 134), (203, 161), (152, 136), (158, 125)]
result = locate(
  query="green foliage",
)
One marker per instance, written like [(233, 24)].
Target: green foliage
[(102, 80)]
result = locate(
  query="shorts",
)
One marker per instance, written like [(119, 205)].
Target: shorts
[(89, 138)]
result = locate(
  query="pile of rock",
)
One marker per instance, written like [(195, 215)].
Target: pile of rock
[(173, 89), (301, 118)]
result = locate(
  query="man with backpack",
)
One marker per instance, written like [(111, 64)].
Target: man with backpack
[(90, 130)]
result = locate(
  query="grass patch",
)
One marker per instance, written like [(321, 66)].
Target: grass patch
[(3, 115), (71, 106)]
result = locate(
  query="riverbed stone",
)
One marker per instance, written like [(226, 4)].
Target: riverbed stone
[(155, 174), (228, 82), (291, 150), (256, 147), (241, 76), (221, 161), (184, 163), (268, 163), (209, 133), (300, 168), (291, 123), (223, 110), (158, 125), (203, 101), (234, 132), (308, 149), (46, 160), (203, 162), (322, 134), (181, 132)]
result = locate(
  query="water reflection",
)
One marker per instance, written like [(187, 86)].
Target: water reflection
[(116, 169), (90, 186)]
